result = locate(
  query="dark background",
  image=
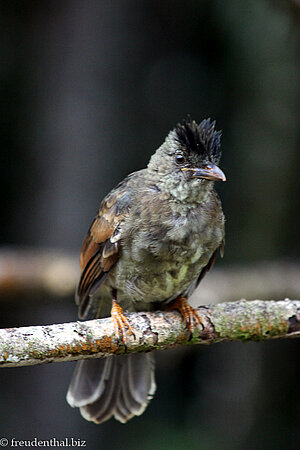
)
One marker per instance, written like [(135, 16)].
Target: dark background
[(89, 89)]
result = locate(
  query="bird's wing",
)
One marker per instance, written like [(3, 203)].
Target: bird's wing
[(100, 250), (211, 262)]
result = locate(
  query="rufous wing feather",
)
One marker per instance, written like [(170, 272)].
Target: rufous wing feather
[(100, 250)]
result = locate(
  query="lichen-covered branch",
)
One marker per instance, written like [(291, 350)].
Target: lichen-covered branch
[(244, 320)]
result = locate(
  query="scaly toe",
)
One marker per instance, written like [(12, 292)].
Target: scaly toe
[(122, 326), (188, 314)]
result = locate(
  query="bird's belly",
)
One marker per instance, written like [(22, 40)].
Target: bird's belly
[(159, 277)]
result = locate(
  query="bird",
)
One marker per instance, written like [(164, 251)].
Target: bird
[(156, 235)]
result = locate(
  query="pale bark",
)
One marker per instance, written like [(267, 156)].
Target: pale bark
[(233, 321)]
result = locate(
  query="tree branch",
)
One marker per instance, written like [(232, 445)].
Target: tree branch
[(242, 321)]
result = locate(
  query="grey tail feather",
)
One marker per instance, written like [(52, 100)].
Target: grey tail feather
[(117, 386)]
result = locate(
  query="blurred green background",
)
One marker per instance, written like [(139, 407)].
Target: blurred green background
[(89, 89)]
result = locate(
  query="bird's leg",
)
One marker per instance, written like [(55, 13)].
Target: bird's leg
[(120, 321), (188, 313)]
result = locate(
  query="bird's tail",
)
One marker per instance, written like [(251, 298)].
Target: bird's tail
[(119, 386)]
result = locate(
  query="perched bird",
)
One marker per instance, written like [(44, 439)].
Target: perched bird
[(154, 238)]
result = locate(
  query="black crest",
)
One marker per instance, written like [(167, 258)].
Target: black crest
[(202, 139)]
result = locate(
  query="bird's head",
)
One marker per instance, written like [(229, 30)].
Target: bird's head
[(187, 162)]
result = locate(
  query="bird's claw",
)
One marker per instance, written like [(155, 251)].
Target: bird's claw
[(122, 326), (188, 313)]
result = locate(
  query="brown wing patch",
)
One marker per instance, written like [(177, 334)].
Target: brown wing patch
[(100, 250), (108, 218), (103, 226), (89, 248)]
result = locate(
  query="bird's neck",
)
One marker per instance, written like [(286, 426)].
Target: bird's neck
[(181, 190), (191, 192)]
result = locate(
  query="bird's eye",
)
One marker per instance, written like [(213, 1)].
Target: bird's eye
[(179, 158)]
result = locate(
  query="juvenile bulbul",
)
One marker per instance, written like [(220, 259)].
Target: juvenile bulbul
[(154, 238)]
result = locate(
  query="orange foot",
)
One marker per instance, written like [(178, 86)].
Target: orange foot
[(120, 323), (188, 313)]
